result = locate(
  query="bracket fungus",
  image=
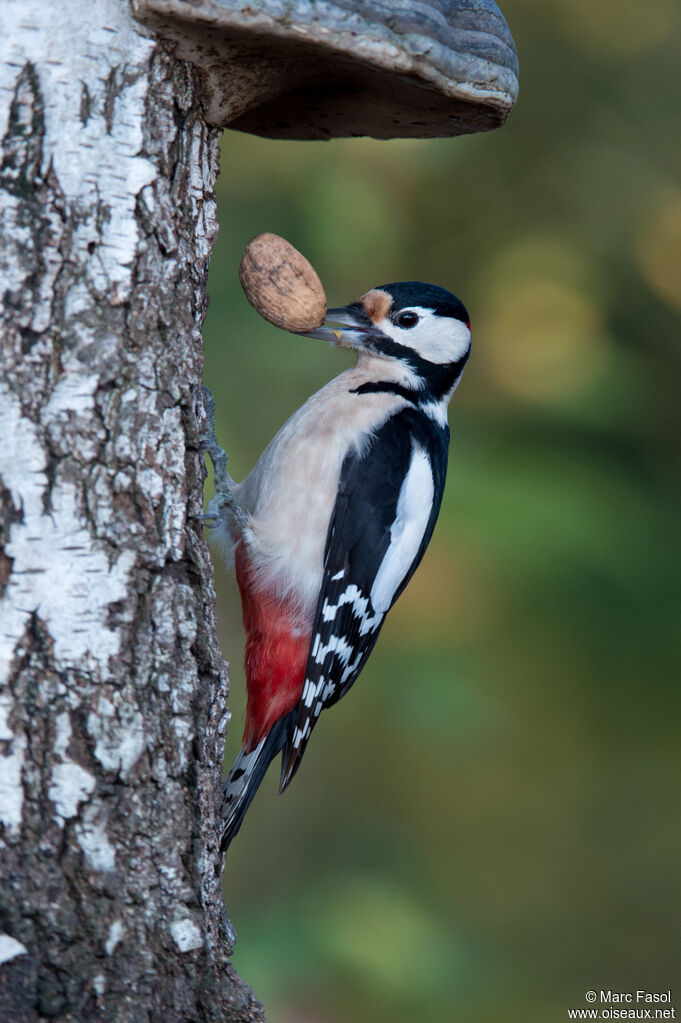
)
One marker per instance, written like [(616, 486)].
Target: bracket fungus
[(319, 69)]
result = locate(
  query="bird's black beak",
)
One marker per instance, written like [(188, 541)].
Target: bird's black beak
[(348, 327)]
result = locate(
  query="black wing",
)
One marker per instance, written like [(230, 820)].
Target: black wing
[(397, 482)]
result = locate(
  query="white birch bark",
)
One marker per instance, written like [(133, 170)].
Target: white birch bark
[(112, 688)]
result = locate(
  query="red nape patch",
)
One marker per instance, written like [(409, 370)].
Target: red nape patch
[(276, 655)]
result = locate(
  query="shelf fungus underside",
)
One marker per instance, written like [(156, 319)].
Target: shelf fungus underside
[(301, 69)]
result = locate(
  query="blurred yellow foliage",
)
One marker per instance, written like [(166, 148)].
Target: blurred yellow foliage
[(658, 249), (542, 339)]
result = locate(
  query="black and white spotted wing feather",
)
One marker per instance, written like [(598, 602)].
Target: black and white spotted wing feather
[(388, 500)]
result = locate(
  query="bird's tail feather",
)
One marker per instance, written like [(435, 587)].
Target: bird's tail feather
[(247, 773)]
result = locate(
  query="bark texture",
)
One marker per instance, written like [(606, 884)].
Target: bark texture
[(113, 690)]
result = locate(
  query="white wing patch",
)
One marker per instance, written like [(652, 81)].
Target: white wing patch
[(414, 506)]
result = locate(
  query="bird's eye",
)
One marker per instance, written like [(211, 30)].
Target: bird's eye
[(407, 319)]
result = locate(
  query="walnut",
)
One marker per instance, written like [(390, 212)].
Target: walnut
[(281, 285)]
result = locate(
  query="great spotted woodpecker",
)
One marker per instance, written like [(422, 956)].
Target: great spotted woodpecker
[(332, 522)]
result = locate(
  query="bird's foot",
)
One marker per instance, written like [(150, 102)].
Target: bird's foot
[(212, 521), (222, 507)]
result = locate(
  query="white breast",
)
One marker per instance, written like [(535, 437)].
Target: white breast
[(291, 492)]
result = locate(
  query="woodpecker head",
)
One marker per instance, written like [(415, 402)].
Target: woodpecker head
[(422, 326)]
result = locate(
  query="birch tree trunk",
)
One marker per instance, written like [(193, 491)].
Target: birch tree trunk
[(113, 698)]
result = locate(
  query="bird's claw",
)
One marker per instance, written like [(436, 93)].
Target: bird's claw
[(222, 507), (212, 521)]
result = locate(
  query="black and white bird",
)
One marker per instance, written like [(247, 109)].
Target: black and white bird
[(332, 522)]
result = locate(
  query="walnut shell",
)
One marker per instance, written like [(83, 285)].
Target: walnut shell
[(281, 285)]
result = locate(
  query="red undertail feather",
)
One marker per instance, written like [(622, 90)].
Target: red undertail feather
[(276, 655)]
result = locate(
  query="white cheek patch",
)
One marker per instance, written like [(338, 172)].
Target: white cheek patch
[(414, 506), (438, 339)]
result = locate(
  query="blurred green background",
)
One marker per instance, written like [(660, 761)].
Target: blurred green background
[(488, 825)]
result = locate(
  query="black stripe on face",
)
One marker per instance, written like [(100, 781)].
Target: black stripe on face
[(389, 387), (439, 378)]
